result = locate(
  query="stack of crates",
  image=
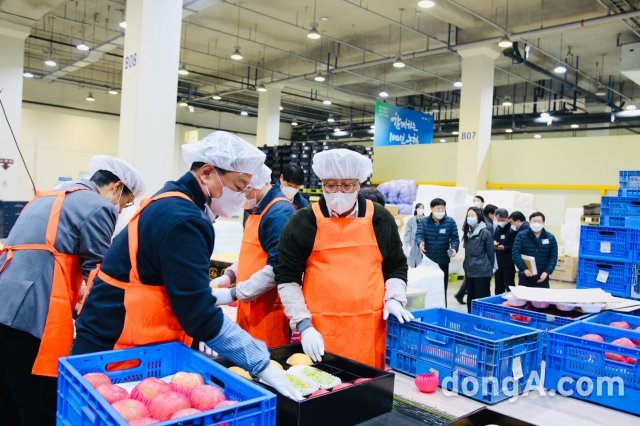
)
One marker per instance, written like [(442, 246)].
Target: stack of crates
[(9, 212), (609, 256)]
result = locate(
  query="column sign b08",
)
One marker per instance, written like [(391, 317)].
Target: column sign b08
[(467, 136), (130, 61), (401, 126)]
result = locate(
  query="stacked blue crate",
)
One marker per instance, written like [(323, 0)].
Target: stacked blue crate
[(9, 212)]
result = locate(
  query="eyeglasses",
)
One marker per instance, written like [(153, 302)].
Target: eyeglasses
[(331, 188), (129, 204)]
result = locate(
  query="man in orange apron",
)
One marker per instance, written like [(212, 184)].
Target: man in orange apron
[(153, 285), (57, 242), (350, 253), (260, 312)]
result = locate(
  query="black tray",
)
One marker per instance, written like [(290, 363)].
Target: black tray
[(484, 416), (347, 406)]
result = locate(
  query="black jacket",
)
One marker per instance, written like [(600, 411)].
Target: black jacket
[(544, 249), (479, 253), (504, 237), (438, 237)]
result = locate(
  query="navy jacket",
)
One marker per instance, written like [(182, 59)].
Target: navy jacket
[(544, 249), (438, 237), (504, 237), (298, 200), (175, 245)]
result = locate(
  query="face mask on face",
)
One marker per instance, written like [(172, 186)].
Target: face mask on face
[(288, 192), (472, 221), (438, 215), (340, 202), (419, 212), (210, 214), (250, 203), (513, 228), (477, 204), (229, 203), (502, 224), (117, 199), (536, 227)]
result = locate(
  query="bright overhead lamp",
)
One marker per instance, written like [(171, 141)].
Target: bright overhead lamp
[(443, 140), (82, 47), (507, 102), (327, 101), (545, 115), (244, 113), (27, 74), (261, 88), (123, 24), (627, 113), (183, 70), (508, 130), (505, 42), (601, 93), (383, 94), (331, 120), (50, 62), (560, 69), (313, 33), (183, 103), (216, 97), (426, 4), (192, 108), (630, 107), (112, 91), (575, 126), (294, 123), (236, 55), (90, 98), (280, 107), (399, 63), (319, 78), (337, 130), (457, 83), (372, 127), (454, 133), (537, 136)]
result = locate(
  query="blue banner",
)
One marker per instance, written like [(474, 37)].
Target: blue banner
[(401, 126)]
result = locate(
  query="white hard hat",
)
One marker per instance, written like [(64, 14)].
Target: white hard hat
[(342, 164), (260, 179), (225, 151), (123, 170)]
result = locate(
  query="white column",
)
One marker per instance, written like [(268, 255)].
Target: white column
[(268, 132), (14, 181), (476, 102), (149, 88)]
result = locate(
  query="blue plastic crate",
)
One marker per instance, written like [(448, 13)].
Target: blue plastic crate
[(619, 278), (609, 242), (463, 347), (605, 318), (80, 404), (629, 179), (620, 206), (629, 193), (573, 362)]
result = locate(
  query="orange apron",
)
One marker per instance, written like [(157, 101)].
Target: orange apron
[(344, 287), (263, 318), (148, 315), (57, 336)]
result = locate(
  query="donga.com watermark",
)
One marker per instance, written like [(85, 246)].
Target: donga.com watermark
[(510, 387)]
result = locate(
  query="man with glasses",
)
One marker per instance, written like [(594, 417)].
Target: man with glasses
[(349, 251), (57, 242)]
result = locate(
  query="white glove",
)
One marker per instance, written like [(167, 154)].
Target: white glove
[(393, 307), (275, 378), (223, 296), (313, 344), (222, 281)]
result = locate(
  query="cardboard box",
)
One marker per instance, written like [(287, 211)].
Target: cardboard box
[(392, 209), (566, 269)]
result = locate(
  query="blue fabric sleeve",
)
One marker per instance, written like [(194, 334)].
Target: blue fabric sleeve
[(421, 231), (553, 256), (516, 252), (271, 227), (455, 238)]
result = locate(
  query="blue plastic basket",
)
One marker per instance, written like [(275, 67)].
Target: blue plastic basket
[(629, 179), (605, 318), (80, 404), (629, 193), (620, 206), (608, 242), (573, 362), (616, 277), (463, 347)]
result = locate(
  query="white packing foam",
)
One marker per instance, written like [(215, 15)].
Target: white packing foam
[(510, 200), (453, 195), (572, 216)]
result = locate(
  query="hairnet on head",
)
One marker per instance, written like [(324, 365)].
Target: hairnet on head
[(342, 164), (225, 151), (123, 170), (260, 179)]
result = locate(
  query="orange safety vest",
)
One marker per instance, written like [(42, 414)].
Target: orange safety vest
[(148, 315), (344, 287), (57, 336), (263, 318)]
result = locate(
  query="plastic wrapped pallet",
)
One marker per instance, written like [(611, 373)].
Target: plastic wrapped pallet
[(572, 216), (453, 195), (510, 200), (570, 233), (428, 276)]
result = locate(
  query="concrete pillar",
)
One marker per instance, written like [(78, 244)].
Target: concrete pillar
[(268, 132), (149, 87), (14, 181), (476, 102)]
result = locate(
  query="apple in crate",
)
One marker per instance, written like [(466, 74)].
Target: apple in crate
[(131, 409), (185, 412), (143, 422), (594, 337), (620, 324), (112, 393), (164, 405), (341, 386), (206, 397), (184, 382), (225, 403), (319, 392), (362, 380), (148, 389), (97, 379)]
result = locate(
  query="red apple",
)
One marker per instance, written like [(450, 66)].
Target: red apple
[(112, 393), (615, 357), (319, 392), (362, 380), (148, 389), (185, 412), (131, 409), (164, 405), (620, 324), (225, 403), (97, 379), (184, 382), (594, 337), (206, 397), (341, 386), (143, 422), (623, 341)]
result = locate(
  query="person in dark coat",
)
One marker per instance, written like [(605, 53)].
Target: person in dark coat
[(540, 244), (479, 256), (415, 255), (291, 180), (489, 213), (503, 238)]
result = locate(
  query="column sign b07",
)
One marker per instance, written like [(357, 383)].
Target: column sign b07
[(401, 126), (130, 61), (468, 136)]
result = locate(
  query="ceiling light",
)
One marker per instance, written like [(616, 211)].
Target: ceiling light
[(183, 103), (537, 136), (575, 126), (545, 115), (372, 138), (236, 55), (507, 102), (244, 113), (192, 108), (398, 63), (90, 98), (426, 4), (294, 123), (123, 24), (327, 101), (383, 94), (337, 130), (82, 47), (560, 69), (216, 97), (324, 18), (112, 91), (183, 70), (508, 130), (319, 78), (601, 92), (261, 88), (443, 140), (372, 131), (50, 63), (341, 133), (331, 120), (505, 42), (372, 127), (313, 33), (457, 83), (27, 74), (627, 113), (280, 107), (630, 107), (454, 133)]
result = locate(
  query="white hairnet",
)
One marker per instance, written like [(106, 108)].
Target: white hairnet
[(123, 170), (342, 164), (225, 151), (260, 179)]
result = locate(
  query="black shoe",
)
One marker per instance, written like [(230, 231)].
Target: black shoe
[(459, 298)]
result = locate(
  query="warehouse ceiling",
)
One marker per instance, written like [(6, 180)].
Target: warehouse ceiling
[(359, 42)]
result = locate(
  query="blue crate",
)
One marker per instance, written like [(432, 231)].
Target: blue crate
[(462, 347), (607, 317), (80, 404), (620, 277), (573, 361), (629, 193), (609, 242), (620, 206), (629, 179)]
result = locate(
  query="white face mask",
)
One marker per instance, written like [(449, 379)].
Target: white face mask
[(536, 227), (209, 213), (340, 202), (502, 224), (229, 203), (117, 203), (477, 204), (438, 215), (288, 192), (250, 203), (513, 228), (419, 212)]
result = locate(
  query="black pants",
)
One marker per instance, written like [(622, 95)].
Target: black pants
[(463, 289), (25, 399), (477, 288), (532, 282), (445, 269), (505, 278)]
